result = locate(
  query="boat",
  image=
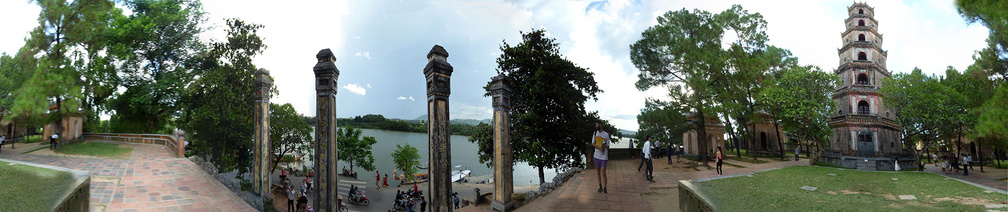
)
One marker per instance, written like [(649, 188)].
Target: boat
[(458, 175)]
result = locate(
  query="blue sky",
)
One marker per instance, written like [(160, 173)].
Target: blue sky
[(381, 45)]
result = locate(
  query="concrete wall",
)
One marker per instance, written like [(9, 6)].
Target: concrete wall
[(174, 143), (881, 163), (691, 200)]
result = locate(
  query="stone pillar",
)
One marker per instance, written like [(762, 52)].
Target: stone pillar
[(261, 160), (500, 91), (438, 73), (326, 76)]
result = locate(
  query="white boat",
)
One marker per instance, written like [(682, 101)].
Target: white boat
[(459, 175)]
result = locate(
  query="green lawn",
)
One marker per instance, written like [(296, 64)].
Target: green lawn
[(29, 188), (33, 138), (849, 190), (1003, 164), (96, 149)]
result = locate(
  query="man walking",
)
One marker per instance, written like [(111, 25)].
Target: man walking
[(647, 157), (600, 141), (291, 194), (52, 141), (668, 150)]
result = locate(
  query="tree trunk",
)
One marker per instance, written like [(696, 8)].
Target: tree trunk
[(780, 142), (980, 154), (702, 137), (733, 137), (542, 175)]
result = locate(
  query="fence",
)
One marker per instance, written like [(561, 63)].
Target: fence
[(175, 143)]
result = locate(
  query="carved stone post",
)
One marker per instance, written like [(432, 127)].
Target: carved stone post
[(500, 91), (438, 73), (326, 76), (260, 164)]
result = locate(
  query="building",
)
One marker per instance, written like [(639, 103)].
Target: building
[(766, 137), (863, 128), (715, 135)]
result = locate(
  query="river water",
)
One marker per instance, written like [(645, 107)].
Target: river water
[(464, 153)]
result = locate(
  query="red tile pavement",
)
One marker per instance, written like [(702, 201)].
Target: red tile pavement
[(150, 180)]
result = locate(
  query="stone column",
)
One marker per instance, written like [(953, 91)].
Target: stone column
[(500, 91), (261, 160), (438, 73), (326, 76)]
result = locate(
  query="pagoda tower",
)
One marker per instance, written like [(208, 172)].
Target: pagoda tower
[(862, 127)]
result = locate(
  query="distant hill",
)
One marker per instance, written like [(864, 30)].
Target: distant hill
[(472, 122)]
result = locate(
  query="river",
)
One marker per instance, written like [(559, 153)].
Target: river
[(463, 153)]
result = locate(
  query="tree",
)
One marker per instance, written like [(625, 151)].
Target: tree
[(921, 104), (802, 96), (288, 133), (549, 124), (664, 121), (66, 42), (406, 158), (685, 49), (217, 106), (153, 44), (993, 15), (354, 149)]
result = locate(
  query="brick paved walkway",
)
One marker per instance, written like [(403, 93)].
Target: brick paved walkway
[(150, 180), (625, 187), (987, 179)]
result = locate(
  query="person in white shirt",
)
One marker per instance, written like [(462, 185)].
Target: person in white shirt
[(2, 138), (52, 141), (647, 158), (600, 141)]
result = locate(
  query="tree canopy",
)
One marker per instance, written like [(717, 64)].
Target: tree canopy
[(288, 133), (684, 53), (355, 149), (802, 100), (219, 102), (406, 158)]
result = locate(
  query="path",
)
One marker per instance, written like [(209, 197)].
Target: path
[(626, 187), (152, 179)]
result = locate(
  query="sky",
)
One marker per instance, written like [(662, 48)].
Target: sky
[(381, 45)]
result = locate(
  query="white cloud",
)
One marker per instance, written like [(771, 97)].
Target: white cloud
[(357, 89), (467, 111), (405, 98), (369, 85), (363, 54)]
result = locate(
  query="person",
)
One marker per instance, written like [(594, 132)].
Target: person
[(796, 152), (719, 160), (304, 189), (415, 190), (668, 150), (52, 141), (679, 153), (965, 162), (455, 199), (308, 181), (385, 181), (283, 174), (601, 144), (409, 205), (944, 164), (647, 157), (2, 138), (934, 158), (955, 164), (969, 161), (377, 180), (290, 198), (353, 192), (423, 204), (303, 205)]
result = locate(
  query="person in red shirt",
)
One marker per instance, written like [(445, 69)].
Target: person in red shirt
[(377, 180)]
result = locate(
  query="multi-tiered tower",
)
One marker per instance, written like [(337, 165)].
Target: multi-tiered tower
[(862, 127)]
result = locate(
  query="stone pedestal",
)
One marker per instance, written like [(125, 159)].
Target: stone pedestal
[(500, 91), (326, 76), (438, 74), (261, 160)]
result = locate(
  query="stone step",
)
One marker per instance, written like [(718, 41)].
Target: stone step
[(866, 166)]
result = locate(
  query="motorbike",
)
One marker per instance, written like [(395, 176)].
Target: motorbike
[(359, 199)]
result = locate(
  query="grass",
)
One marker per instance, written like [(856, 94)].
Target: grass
[(96, 149), (849, 190), (29, 188), (1003, 164), (32, 138), (824, 164)]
